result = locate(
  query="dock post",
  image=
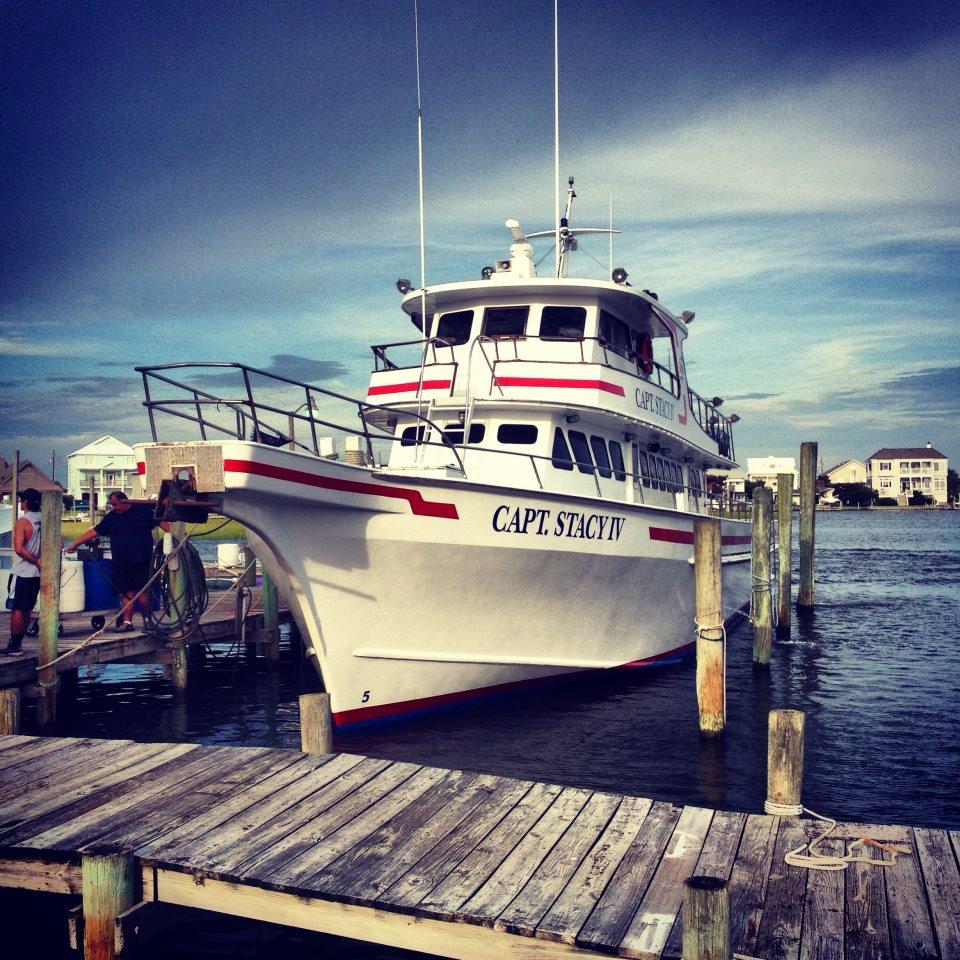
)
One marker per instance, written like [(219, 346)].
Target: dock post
[(711, 636), (109, 889), (760, 595), (9, 711), (271, 616), (178, 586), (92, 497), (784, 763), (706, 919), (784, 551), (249, 561), (316, 723), (808, 503), (51, 548)]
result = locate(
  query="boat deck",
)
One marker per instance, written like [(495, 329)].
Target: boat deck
[(453, 863)]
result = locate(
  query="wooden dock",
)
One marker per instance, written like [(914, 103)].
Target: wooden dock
[(451, 863), (217, 624)]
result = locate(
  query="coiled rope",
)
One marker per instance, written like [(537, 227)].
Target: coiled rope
[(812, 860)]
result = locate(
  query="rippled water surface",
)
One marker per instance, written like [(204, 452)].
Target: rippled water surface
[(876, 669)]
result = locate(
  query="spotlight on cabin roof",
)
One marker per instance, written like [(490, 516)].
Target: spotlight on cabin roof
[(404, 285), (650, 293), (619, 275), (486, 273), (687, 316)]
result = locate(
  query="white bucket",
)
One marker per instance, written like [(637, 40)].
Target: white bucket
[(73, 595), (228, 555)]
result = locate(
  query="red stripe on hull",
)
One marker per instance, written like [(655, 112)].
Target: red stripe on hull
[(667, 535), (604, 385), (408, 387), (418, 505), (345, 718)]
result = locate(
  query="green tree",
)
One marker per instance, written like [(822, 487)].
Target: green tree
[(855, 494)]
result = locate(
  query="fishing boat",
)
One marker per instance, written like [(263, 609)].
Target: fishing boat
[(516, 496)]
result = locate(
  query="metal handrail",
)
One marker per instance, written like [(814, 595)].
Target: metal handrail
[(712, 422), (380, 352), (249, 407), (657, 372)]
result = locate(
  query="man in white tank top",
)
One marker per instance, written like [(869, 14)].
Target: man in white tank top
[(25, 577)]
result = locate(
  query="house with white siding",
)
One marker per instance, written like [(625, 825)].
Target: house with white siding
[(109, 461), (846, 471), (899, 471)]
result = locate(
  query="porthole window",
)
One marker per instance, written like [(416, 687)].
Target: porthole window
[(517, 433)]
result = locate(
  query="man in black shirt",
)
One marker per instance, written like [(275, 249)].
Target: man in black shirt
[(130, 529)]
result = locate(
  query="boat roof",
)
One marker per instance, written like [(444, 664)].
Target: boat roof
[(623, 295)]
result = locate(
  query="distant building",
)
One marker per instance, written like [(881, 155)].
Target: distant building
[(28, 476), (109, 461), (899, 471), (765, 469), (846, 471)]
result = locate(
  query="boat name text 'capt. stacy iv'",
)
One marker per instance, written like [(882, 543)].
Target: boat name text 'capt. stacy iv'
[(568, 523)]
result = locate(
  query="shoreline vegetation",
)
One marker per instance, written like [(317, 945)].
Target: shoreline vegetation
[(216, 528)]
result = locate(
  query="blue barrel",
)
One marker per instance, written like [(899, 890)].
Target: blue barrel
[(99, 594)]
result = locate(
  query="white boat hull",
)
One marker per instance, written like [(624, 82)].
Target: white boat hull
[(413, 593)]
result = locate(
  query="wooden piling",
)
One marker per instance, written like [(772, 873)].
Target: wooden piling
[(271, 616), (178, 666), (109, 889), (706, 919), (15, 487), (784, 551), (316, 723), (92, 498), (784, 762), (9, 711), (711, 636), (762, 600), (51, 548), (248, 560), (808, 503)]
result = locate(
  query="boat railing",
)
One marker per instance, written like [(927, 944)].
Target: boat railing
[(713, 423), (248, 417), (434, 348), (511, 349)]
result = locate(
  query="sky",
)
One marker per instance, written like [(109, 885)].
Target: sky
[(238, 181)]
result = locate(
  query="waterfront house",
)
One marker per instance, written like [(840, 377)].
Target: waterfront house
[(899, 471), (767, 469), (111, 464), (28, 475), (846, 471)]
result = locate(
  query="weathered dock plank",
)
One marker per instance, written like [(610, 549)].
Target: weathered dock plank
[(393, 852)]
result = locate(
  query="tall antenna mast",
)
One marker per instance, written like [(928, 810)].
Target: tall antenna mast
[(611, 233), (556, 128), (423, 255)]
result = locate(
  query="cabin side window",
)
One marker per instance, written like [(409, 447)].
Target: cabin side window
[(411, 436), (561, 453), (644, 468), (581, 451), (616, 458), (454, 328), (563, 323), (601, 458), (454, 433), (505, 321), (614, 334), (517, 433)]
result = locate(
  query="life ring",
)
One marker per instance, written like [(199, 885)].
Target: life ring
[(646, 354)]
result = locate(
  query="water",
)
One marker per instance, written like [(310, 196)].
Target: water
[(876, 670)]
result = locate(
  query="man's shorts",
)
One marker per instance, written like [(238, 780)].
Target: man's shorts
[(130, 577), (25, 592)]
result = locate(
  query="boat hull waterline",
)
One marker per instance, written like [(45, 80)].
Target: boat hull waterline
[(415, 593)]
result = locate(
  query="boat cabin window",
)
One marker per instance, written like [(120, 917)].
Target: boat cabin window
[(644, 468), (599, 447), (455, 328), (505, 321), (614, 333), (411, 436), (616, 458), (563, 323), (516, 433), (454, 433), (581, 451), (561, 453), (417, 320)]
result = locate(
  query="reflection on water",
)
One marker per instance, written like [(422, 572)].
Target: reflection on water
[(874, 669)]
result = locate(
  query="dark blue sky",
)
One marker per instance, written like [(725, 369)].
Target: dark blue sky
[(237, 181)]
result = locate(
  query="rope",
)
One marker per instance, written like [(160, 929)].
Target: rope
[(761, 585), (812, 860)]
